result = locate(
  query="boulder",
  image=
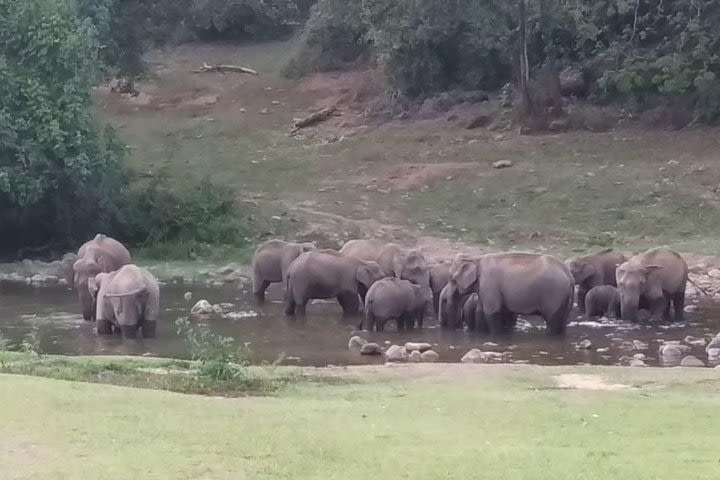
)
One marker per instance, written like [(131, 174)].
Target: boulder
[(370, 349), (187, 296), (202, 307), (502, 164), (670, 353), (356, 343), (473, 356), (429, 356), (421, 347), (691, 361), (415, 356), (637, 363), (396, 353)]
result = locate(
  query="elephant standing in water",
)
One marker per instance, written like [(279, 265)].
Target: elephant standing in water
[(271, 262), (658, 277), (602, 300), (594, 270), (101, 254), (439, 277), (509, 284), (394, 299), (328, 274), (127, 299)]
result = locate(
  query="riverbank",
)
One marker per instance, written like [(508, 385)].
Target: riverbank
[(430, 421)]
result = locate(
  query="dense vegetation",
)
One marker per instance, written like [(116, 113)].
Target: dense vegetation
[(643, 51), (62, 177)]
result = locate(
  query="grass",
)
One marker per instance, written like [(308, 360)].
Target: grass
[(497, 421), (577, 191)]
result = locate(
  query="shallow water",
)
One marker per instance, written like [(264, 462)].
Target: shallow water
[(321, 338)]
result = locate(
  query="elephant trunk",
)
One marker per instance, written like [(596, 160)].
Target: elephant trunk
[(629, 308), (453, 310)]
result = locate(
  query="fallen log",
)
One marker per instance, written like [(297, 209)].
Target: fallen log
[(225, 68), (314, 118)]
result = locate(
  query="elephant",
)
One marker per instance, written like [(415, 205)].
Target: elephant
[(594, 270), (393, 261), (394, 299), (101, 254), (127, 299), (329, 274), (471, 314), (658, 277), (450, 303), (271, 262), (439, 277), (66, 268), (602, 300), (509, 284)]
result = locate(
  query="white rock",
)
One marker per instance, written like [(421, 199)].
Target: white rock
[(585, 344), (473, 356), (691, 361), (638, 345), (217, 308), (202, 307), (415, 356), (430, 356), (396, 353), (421, 347), (502, 164), (639, 356), (370, 349), (188, 296), (637, 363), (356, 342), (602, 350), (714, 273), (691, 308)]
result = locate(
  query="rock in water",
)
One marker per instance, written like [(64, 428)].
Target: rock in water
[(396, 353), (370, 349), (188, 296), (637, 363), (202, 307), (356, 343), (473, 356), (421, 347), (415, 356), (691, 308), (691, 361), (670, 353), (585, 344), (430, 356)]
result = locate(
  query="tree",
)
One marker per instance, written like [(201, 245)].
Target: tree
[(57, 172)]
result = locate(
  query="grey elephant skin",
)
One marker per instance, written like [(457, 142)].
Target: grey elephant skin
[(603, 300), (394, 299), (450, 304), (439, 277), (509, 284), (657, 278), (101, 254), (594, 270), (328, 274), (393, 261), (471, 314), (271, 262), (127, 300)]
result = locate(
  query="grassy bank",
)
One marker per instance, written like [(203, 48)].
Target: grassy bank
[(432, 421), (631, 187)]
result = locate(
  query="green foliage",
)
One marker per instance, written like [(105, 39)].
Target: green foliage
[(53, 161), (31, 342), (218, 357)]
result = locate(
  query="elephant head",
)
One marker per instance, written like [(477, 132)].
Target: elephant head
[(83, 270), (414, 267), (581, 270), (633, 279), (367, 274), (464, 274)]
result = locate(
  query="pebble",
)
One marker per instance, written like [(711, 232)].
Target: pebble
[(691, 308), (603, 350), (502, 164)]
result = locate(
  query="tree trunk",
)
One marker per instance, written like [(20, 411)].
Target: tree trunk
[(524, 80)]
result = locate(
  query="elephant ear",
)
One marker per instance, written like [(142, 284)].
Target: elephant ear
[(464, 273), (104, 263), (368, 273), (586, 271)]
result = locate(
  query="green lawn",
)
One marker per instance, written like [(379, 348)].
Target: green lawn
[(460, 423)]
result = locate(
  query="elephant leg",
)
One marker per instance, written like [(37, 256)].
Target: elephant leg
[(350, 303), (259, 288), (104, 327), (148, 329), (495, 322), (509, 321), (290, 304), (581, 294), (658, 308), (678, 301), (436, 302), (556, 322), (129, 331)]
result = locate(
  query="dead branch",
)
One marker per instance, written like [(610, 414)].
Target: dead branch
[(314, 118), (225, 68)]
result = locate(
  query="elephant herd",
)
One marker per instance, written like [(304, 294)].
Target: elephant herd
[(117, 295), (484, 293)]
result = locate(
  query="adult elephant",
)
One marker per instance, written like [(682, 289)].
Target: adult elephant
[(127, 299), (593, 271), (509, 284), (658, 277), (393, 261), (271, 262), (328, 274), (394, 299), (101, 254)]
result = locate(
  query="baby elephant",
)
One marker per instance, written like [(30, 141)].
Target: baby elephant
[(394, 299), (602, 300), (127, 299)]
